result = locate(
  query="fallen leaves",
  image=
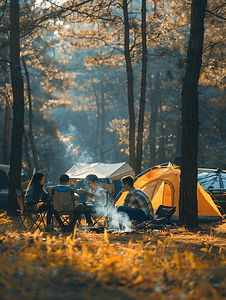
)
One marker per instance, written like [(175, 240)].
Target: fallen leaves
[(156, 266)]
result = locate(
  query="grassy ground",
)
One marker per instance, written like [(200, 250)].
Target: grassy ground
[(174, 264)]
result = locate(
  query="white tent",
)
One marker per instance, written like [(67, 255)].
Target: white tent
[(116, 171)]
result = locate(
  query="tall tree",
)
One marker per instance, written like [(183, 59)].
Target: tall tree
[(18, 107), (34, 152), (27, 153), (5, 93), (6, 133), (102, 123), (130, 87), (98, 121), (153, 98), (143, 91), (188, 214)]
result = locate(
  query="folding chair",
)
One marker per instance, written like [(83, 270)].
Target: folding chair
[(63, 203), (35, 218), (164, 212), (65, 216), (97, 216), (161, 219)]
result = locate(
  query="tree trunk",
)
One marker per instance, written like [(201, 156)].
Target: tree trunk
[(188, 214), (102, 124), (178, 151), (129, 71), (162, 156), (98, 123), (153, 121), (143, 92), (27, 154), (6, 134), (18, 107), (114, 145), (33, 148), (8, 104)]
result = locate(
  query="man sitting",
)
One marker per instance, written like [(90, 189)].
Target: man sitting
[(137, 204), (64, 200), (97, 198)]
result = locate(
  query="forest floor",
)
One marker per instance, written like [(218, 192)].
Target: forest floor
[(173, 264)]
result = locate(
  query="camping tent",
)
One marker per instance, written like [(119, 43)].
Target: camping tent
[(214, 182), (116, 171), (212, 179), (109, 175), (162, 184)]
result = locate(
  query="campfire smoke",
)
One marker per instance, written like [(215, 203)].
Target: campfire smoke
[(117, 219)]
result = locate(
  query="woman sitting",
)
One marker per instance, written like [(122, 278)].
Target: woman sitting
[(35, 193)]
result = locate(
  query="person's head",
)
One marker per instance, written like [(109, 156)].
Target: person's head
[(92, 181), (127, 183), (38, 182), (64, 179), (38, 179)]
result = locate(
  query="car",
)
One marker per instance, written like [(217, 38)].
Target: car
[(214, 182), (4, 184)]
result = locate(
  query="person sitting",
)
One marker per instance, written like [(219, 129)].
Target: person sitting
[(137, 204), (64, 200), (35, 193), (97, 198)]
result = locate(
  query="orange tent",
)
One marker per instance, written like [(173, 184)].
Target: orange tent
[(162, 184)]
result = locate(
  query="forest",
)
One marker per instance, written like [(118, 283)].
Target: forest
[(102, 81), (75, 83), (111, 81)]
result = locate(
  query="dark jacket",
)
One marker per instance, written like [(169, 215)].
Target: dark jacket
[(31, 196)]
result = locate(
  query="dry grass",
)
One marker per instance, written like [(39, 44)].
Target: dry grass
[(177, 264)]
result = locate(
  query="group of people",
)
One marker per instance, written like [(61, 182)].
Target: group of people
[(137, 205)]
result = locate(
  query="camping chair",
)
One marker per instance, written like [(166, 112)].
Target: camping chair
[(97, 217), (63, 203), (89, 208), (161, 219), (35, 218), (100, 222), (164, 212)]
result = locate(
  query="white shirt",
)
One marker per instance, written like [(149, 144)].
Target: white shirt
[(99, 196)]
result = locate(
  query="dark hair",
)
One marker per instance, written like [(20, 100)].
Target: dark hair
[(64, 178), (128, 179), (92, 177), (35, 182)]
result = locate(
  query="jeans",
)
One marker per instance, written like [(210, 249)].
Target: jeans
[(133, 213), (76, 215), (50, 211), (89, 209)]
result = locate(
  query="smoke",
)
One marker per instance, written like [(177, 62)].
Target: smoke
[(117, 219), (85, 158)]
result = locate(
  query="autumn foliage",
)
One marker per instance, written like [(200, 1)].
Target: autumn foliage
[(176, 264)]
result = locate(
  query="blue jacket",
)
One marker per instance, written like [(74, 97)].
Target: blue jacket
[(31, 196), (62, 188)]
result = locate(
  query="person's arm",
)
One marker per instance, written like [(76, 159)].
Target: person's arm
[(45, 196), (30, 197), (129, 201), (76, 197), (82, 191)]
